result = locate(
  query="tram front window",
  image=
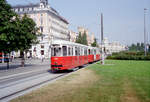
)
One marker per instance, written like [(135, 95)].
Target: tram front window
[(56, 51)]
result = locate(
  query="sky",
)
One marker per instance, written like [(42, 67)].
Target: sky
[(123, 19)]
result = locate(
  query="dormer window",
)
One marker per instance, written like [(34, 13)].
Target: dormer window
[(43, 3)]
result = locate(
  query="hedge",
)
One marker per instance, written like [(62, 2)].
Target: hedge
[(129, 56)]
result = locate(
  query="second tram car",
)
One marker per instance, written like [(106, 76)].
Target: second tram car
[(67, 55)]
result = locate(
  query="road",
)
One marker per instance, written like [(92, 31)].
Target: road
[(20, 80)]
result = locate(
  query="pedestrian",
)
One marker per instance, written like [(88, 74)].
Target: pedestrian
[(42, 58)]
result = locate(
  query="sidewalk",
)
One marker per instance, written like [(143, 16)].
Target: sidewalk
[(30, 65)]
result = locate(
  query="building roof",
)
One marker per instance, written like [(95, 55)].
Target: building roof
[(26, 6), (52, 10)]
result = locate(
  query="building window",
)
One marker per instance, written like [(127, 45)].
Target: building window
[(42, 38), (42, 52), (34, 49), (41, 19), (41, 28), (42, 46)]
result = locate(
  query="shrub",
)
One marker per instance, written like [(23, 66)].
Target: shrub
[(129, 56)]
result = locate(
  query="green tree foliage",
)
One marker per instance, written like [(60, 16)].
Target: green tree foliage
[(149, 48), (82, 39), (6, 27), (94, 44), (16, 33), (79, 38), (26, 34), (137, 47)]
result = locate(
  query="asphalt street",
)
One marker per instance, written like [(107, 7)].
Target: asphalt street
[(20, 78), (30, 65)]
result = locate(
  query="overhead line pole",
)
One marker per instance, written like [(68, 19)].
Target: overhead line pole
[(102, 37), (101, 28), (145, 45)]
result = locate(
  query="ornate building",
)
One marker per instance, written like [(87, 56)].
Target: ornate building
[(113, 47), (73, 36), (51, 24)]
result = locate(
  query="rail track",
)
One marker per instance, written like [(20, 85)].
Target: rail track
[(15, 94), (28, 89)]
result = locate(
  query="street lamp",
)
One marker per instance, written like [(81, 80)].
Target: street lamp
[(6, 57), (145, 45)]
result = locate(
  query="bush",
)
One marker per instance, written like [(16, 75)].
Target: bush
[(129, 56)]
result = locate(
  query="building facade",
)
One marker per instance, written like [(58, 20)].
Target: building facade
[(52, 26), (73, 36), (113, 47)]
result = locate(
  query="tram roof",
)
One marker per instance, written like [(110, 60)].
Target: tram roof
[(63, 42)]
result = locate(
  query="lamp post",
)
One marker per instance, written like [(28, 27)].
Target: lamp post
[(145, 45), (6, 57)]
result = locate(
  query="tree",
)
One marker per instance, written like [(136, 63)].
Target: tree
[(6, 27), (84, 39), (137, 47), (149, 48), (16, 33), (26, 34), (94, 44), (79, 38)]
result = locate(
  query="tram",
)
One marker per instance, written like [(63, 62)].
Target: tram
[(67, 55)]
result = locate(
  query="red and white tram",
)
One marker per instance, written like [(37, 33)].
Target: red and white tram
[(66, 55)]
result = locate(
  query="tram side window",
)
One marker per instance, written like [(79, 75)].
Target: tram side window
[(64, 50), (79, 51), (89, 51), (92, 52), (56, 51), (69, 51), (95, 52), (85, 51), (76, 51), (72, 52)]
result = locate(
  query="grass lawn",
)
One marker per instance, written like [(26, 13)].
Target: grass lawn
[(117, 81)]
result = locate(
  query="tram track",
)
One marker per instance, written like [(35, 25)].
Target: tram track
[(22, 91), (8, 97)]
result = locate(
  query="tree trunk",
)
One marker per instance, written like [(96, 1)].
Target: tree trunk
[(22, 59)]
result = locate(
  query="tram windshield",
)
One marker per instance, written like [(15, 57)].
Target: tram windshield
[(56, 51)]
